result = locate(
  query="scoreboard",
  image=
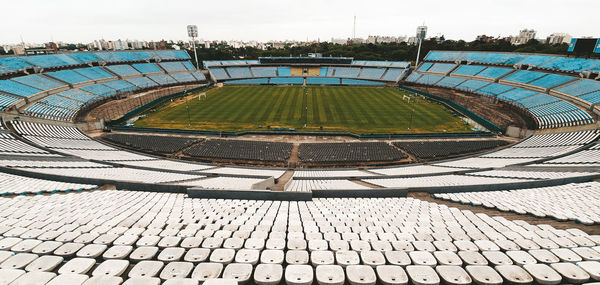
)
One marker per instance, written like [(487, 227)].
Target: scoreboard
[(584, 46)]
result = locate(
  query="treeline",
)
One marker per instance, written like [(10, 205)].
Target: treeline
[(383, 51)]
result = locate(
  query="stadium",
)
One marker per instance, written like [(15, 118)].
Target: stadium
[(147, 167)]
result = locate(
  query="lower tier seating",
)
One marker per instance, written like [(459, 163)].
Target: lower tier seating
[(349, 152), (241, 150), (161, 144), (437, 149)]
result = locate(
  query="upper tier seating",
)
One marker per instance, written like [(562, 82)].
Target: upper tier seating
[(94, 73), (51, 60), (560, 63), (142, 82), (239, 72), (470, 70), (147, 68), (120, 85), (85, 57), (393, 74), (264, 71), (68, 76), (441, 68), (16, 88), (494, 72), (39, 82), (123, 70), (12, 64), (173, 66), (123, 56), (371, 73)]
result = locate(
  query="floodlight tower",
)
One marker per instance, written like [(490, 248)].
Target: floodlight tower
[(193, 33), (421, 33)]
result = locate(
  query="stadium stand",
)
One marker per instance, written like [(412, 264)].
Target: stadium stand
[(348, 152), (12, 87), (286, 80), (161, 144), (241, 150)]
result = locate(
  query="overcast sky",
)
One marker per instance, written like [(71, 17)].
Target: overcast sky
[(82, 21)]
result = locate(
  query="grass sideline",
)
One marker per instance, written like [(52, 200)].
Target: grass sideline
[(360, 110)]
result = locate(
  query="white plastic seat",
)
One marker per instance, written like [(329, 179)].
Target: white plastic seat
[(391, 275), (544, 256), (400, 258), (91, 250), (233, 243), (321, 257), (9, 275), (171, 254), (314, 245), (254, 243), (197, 255), (339, 245), (592, 268), (453, 275), (346, 258), (69, 279), (34, 277), (250, 256), (543, 274), (298, 257), (422, 275), (220, 281), (514, 274), (146, 268), (447, 258), (143, 253), (571, 272), (177, 269), (402, 245), (111, 267), (25, 245), (361, 275), (422, 258), (484, 275), (587, 253), (372, 258), (521, 257), (191, 242), (77, 266), (46, 247), (18, 261), (45, 263), (330, 275), (222, 255), (496, 258), (207, 270), (239, 272), (117, 252), (268, 274), (68, 249), (298, 274)]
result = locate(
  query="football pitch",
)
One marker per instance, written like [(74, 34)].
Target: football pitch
[(359, 110)]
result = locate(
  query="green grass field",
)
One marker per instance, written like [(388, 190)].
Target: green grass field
[(358, 110)]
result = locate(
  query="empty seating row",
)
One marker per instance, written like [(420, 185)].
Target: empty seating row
[(14, 64), (561, 63), (241, 150), (436, 149), (11, 184), (576, 202), (155, 143), (349, 152)]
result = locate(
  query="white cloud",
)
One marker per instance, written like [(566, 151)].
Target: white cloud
[(84, 20)]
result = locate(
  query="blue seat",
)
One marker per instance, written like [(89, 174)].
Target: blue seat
[(287, 80), (173, 66), (12, 87), (123, 70), (94, 73), (322, 81), (68, 76)]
